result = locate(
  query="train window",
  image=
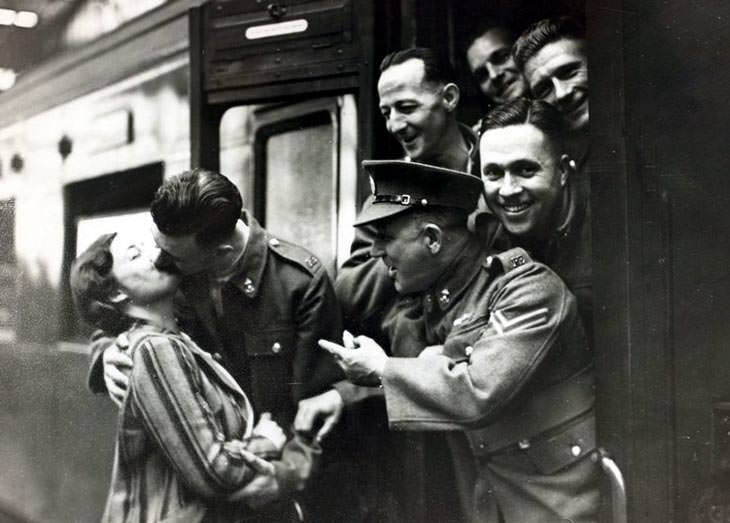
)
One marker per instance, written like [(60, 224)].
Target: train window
[(299, 185), (102, 204), (297, 169)]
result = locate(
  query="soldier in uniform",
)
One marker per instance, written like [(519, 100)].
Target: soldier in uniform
[(532, 185), (502, 354), (256, 302), (418, 100)]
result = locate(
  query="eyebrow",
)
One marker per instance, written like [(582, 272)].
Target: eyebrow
[(568, 66)]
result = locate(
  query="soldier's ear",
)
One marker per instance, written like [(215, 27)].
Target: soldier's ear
[(450, 96), (567, 169), (432, 236)]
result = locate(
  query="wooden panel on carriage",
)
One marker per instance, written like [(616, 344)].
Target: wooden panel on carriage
[(253, 43)]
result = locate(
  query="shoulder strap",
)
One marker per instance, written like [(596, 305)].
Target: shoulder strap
[(296, 254), (507, 261)]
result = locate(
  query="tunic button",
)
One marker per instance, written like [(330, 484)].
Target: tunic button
[(274, 242), (468, 350), (523, 444), (248, 287), (276, 347), (575, 450)]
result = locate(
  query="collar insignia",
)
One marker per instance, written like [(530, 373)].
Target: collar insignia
[(444, 297)]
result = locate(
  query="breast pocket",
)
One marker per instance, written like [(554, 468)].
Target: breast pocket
[(270, 352)]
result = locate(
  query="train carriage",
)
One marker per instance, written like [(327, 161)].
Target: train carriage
[(280, 96)]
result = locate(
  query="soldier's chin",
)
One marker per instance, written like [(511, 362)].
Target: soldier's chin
[(518, 229)]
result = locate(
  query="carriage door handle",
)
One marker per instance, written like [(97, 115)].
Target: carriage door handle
[(619, 511)]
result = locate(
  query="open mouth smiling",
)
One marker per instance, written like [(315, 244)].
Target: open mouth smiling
[(514, 208)]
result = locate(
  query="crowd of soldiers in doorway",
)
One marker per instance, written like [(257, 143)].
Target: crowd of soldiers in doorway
[(446, 374)]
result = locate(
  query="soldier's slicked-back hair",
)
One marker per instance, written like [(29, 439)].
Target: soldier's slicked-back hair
[(486, 26), (437, 67), (92, 284), (543, 32), (526, 111), (199, 202)]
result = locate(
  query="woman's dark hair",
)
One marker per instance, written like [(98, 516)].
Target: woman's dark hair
[(92, 283)]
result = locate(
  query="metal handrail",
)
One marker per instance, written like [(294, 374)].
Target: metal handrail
[(619, 510)]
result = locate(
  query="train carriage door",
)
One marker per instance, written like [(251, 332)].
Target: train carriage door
[(276, 93)]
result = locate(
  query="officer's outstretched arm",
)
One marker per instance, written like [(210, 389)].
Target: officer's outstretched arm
[(525, 315)]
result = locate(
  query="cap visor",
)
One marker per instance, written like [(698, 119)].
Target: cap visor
[(373, 212)]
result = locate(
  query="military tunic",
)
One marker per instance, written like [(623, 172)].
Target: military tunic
[(371, 307), (515, 374), (567, 251)]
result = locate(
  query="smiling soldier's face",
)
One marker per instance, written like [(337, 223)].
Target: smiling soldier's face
[(523, 178)]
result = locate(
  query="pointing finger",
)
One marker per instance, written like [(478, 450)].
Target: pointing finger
[(333, 348)]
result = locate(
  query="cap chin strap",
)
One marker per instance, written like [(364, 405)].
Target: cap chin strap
[(403, 199)]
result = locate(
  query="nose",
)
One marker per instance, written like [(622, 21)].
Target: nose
[(561, 89), (509, 187), (160, 258), (493, 70), (396, 123)]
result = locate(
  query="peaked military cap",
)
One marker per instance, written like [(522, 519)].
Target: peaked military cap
[(398, 186)]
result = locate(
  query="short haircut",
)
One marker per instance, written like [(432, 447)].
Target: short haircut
[(485, 27), (199, 202), (526, 111), (92, 284), (444, 217), (437, 67), (543, 32)]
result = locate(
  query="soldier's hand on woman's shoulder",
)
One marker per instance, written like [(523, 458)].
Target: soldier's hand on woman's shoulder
[(117, 367)]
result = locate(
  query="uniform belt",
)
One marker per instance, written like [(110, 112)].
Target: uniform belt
[(543, 411)]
